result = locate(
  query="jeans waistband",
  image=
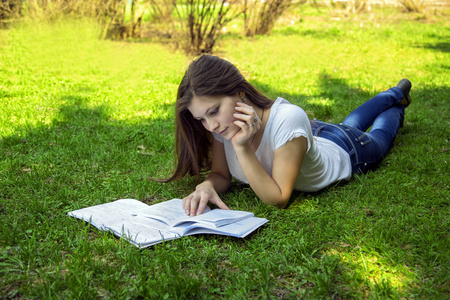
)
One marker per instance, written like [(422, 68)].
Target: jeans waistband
[(348, 138)]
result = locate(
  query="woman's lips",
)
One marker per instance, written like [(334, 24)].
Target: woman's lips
[(223, 131)]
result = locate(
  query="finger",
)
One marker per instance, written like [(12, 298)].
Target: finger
[(193, 205), (247, 119), (243, 125), (214, 200), (246, 128), (202, 205), (241, 105), (250, 118), (221, 205), (245, 110), (186, 203)]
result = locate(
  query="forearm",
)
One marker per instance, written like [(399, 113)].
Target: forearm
[(265, 187)]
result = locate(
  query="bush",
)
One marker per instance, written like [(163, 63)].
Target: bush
[(9, 10), (116, 23), (260, 16), (349, 7), (202, 22), (413, 5)]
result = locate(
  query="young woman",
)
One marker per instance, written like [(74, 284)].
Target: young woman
[(225, 126)]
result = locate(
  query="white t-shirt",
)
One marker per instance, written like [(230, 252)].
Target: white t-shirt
[(325, 162)]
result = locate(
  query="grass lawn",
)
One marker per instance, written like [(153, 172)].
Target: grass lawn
[(84, 122)]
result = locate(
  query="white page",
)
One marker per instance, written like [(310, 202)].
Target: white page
[(124, 213), (239, 229), (104, 215), (170, 211), (217, 217), (143, 231)]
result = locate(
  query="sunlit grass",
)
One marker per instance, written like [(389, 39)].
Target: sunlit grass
[(373, 270), (52, 66)]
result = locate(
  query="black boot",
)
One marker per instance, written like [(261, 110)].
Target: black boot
[(405, 86)]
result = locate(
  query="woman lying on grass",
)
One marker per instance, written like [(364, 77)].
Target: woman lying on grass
[(225, 126)]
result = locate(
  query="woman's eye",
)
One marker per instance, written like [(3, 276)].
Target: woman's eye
[(214, 112)]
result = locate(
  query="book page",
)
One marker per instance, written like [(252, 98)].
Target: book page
[(238, 229), (216, 217), (170, 212), (144, 232), (107, 214), (122, 218)]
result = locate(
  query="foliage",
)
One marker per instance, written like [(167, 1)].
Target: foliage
[(162, 10), (54, 9), (204, 22), (193, 24), (85, 121), (260, 16), (119, 23), (348, 7), (9, 9), (413, 5)]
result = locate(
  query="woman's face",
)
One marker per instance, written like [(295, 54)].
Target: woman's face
[(216, 113)]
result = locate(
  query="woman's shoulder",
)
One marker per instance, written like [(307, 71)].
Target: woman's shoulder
[(287, 121), (282, 108)]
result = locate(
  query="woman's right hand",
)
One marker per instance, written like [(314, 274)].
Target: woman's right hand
[(195, 203)]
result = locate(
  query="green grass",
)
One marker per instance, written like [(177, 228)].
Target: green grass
[(83, 122)]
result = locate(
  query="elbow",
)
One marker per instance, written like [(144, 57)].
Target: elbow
[(283, 205), (281, 202), (276, 197)]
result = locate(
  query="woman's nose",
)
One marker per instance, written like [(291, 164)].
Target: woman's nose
[(212, 124)]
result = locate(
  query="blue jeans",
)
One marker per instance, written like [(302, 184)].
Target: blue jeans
[(367, 149)]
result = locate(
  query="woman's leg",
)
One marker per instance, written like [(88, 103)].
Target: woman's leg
[(364, 116), (385, 128), (384, 112), (366, 149)]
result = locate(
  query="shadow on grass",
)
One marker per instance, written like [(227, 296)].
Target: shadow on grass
[(323, 33), (77, 113), (438, 46), (92, 150), (335, 101)]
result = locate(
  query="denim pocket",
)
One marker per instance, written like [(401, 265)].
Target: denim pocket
[(364, 139)]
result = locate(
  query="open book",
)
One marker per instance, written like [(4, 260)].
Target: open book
[(145, 225)]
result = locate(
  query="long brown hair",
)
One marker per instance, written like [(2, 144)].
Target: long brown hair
[(206, 76)]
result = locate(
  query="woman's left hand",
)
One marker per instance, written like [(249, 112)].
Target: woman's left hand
[(249, 122)]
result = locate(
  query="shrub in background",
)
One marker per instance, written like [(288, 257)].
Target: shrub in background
[(121, 19), (202, 22), (9, 10), (413, 5), (348, 7), (260, 15), (194, 25), (162, 10)]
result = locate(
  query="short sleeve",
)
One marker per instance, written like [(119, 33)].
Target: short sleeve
[(290, 122)]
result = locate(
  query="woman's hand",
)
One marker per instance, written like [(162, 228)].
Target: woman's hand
[(249, 122), (195, 203)]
